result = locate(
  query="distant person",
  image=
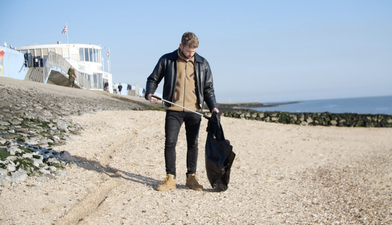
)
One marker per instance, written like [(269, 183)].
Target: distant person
[(106, 86), (187, 82), (119, 88), (114, 88), (71, 76)]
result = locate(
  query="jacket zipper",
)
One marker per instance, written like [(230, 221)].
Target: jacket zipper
[(183, 100)]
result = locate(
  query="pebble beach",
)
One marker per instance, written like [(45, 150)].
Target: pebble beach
[(112, 152)]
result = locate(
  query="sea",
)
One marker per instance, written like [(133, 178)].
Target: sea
[(365, 105)]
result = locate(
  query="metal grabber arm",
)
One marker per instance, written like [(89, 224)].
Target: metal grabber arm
[(164, 100)]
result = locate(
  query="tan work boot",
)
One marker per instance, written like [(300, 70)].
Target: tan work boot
[(168, 184), (191, 182)]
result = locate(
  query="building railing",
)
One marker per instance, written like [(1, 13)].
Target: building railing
[(57, 62)]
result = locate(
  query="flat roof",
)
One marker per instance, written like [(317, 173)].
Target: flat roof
[(59, 46)]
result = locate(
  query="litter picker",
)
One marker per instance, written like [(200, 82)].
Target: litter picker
[(198, 113)]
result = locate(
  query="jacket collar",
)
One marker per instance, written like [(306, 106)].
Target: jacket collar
[(174, 56)]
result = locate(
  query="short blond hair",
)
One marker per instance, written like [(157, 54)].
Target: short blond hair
[(190, 39)]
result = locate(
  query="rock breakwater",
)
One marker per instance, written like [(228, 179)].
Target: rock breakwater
[(33, 121), (315, 119)]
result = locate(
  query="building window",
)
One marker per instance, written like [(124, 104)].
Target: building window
[(93, 52), (97, 81), (44, 52), (86, 54), (96, 55), (81, 55), (38, 52), (91, 55)]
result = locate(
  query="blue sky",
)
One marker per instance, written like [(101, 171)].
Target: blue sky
[(266, 51)]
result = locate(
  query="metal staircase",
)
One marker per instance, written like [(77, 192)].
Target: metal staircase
[(35, 74), (54, 71)]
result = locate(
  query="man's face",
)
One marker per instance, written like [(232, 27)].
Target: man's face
[(187, 51)]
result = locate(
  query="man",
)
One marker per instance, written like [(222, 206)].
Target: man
[(71, 77), (114, 88), (119, 88), (188, 82), (106, 86)]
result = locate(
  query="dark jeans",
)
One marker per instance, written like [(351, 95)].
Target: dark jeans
[(173, 123)]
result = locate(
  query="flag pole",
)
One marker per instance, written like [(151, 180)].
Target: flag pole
[(108, 55), (67, 31)]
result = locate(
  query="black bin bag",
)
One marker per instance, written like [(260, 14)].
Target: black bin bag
[(219, 155)]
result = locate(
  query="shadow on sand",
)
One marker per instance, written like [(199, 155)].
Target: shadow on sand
[(117, 173)]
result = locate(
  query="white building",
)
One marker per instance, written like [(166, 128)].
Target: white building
[(55, 60)]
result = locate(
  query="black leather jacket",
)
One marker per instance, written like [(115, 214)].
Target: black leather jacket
[(167, 68)]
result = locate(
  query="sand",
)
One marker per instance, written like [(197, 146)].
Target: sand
[(283, 174)]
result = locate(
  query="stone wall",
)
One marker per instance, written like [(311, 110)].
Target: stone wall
[(315, 119)]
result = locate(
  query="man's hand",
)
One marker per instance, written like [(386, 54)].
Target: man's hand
[(152, 99), (215, 110)]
